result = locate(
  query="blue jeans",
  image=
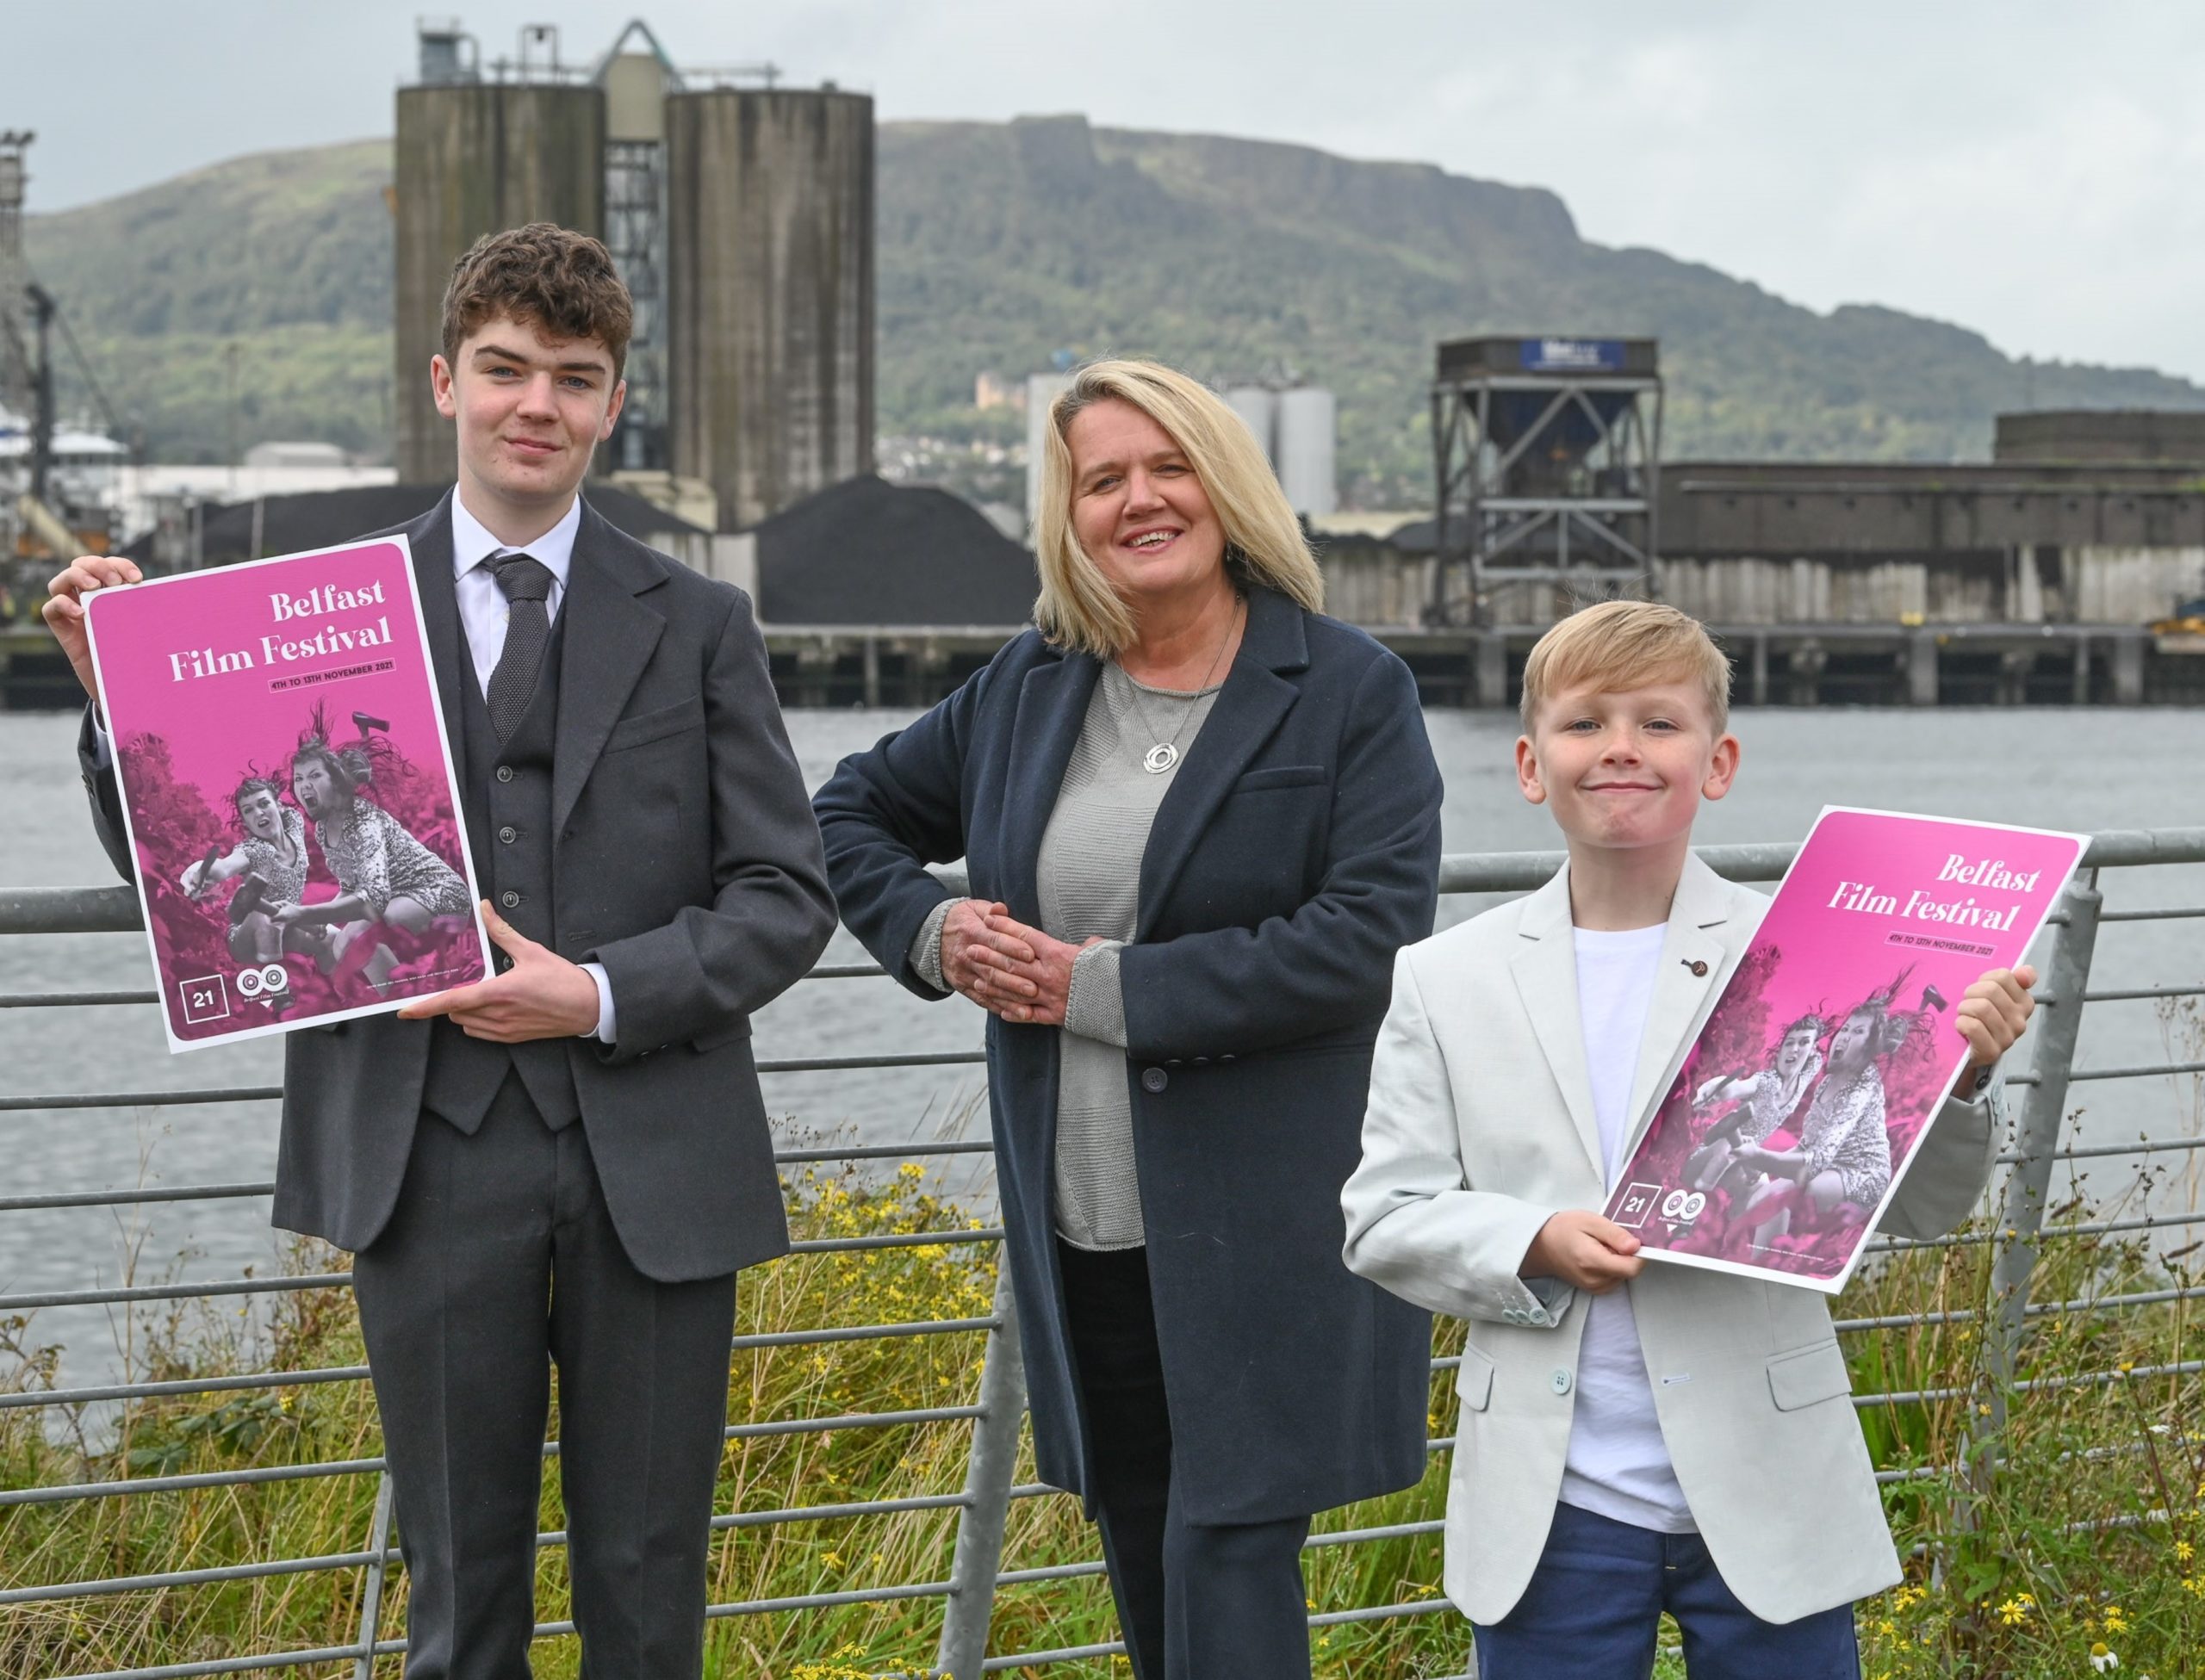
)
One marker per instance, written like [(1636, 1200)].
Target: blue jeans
[(1597, 1596)]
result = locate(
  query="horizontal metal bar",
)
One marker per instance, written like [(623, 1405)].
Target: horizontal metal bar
[(71, 1492), (114, 909), (69, 910), (1063, 1653), (62, 1100), (1074, 1653), (213, 1665), (78, 1396), (2096, 1152), (2092, 1227), (185, 1578), (888, 1152), (177, 1292), (858, 1420), (2085, 1379), (180, 1291), (1019, 1577), (865, 1333), (915, 1239), (293, 1472), (926, 1502), (948, 1058), (185, 1192), (73, 1000), (2171, 913), (182, 1192), (2149, 1070), (1432, 1606), (263, 1379), (1389, 1531), (138, 1098), (1900, 1321)]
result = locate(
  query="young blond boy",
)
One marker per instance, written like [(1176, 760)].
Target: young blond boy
[(1632, 1439)]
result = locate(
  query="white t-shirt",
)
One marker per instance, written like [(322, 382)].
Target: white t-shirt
[(1618, 1465)]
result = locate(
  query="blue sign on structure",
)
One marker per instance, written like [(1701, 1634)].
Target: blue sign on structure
[(1571, 356)]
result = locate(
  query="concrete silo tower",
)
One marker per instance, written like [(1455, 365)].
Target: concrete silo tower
[(769, 292), (479, 149)]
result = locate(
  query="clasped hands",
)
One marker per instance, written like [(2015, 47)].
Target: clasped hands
[(1011, 970)]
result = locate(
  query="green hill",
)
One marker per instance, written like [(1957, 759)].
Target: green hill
[(1001, 244)]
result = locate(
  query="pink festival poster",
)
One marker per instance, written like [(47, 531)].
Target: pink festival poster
[(1797, 1110), (289, 791)]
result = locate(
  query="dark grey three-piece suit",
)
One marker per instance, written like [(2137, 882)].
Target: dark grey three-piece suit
[(567, 1198)]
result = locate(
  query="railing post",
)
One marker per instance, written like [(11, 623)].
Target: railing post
[(987, 1492), (363, 1667), (2021, 1214)]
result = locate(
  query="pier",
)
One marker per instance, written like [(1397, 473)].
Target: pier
[(1787, 664)]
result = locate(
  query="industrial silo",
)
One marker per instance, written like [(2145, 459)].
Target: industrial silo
[(769, 293), (474, 157), (1307, 421), (1258, 405), (1041, 392)]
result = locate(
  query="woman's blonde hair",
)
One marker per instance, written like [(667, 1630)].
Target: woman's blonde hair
[(1264, 543)]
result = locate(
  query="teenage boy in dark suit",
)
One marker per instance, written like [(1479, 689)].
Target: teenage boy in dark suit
[(568, 1162)]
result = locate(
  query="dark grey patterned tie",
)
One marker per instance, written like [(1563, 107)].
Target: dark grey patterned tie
[(527, 583)]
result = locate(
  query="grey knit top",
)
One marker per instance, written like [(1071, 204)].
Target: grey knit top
[(1088, 877)]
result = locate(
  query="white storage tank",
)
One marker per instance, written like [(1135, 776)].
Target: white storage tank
[(1258, 405), (1305, 456), (1041, 390)]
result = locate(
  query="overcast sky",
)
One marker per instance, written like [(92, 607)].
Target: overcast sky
[(2028, 169)]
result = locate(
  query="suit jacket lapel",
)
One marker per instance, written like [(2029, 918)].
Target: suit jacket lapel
[(1247, 712), (1683, 998), (610, 637), (1053, 704), (429, 540), (1544, 967)]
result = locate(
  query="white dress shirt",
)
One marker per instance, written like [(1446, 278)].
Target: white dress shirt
[(483, 613)]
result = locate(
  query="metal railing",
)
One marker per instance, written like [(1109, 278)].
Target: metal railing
[(997, 1412)]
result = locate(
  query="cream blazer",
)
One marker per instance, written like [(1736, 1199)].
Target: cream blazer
[(1480, 1125)]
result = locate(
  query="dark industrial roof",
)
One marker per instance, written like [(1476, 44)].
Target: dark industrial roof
[(867, 552), (324, 518)]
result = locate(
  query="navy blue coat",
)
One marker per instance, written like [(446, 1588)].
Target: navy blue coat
[(1297, 850)]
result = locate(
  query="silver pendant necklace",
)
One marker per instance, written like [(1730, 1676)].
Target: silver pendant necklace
[(1165, 754)]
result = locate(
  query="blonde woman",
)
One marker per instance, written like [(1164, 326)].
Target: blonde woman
[(1199, 818)]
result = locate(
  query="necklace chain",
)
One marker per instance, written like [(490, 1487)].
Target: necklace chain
[(1163, 754)]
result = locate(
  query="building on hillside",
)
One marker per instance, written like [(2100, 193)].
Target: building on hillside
[(992, 390)]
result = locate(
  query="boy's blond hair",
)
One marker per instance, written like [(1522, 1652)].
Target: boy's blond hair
[(1618, 645)]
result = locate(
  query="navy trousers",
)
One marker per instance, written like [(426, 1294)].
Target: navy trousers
[(1197, 1601), (1597, 1597)]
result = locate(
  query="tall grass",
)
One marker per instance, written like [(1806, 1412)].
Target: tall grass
[(2084, 1537)]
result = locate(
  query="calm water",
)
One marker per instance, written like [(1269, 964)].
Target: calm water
[(2082, 769)]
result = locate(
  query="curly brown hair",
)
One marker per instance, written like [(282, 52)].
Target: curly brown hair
[(550, 277)]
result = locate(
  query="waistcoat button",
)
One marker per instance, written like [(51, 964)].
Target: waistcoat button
[(1153, 1080), (504, 773), (509, 833), (509, 898)]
